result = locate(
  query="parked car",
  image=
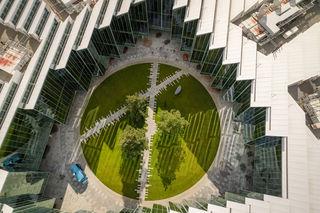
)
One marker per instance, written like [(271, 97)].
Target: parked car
[(12, 160), (78, 173)]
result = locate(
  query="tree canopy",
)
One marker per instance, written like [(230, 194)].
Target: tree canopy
[(133, 141), (171, 122), (137, 106)]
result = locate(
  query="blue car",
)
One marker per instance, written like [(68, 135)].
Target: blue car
[(12, 160), (78, 173)]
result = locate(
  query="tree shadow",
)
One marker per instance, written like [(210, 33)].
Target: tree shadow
[(202, 136), (170, 157), (129, 172)]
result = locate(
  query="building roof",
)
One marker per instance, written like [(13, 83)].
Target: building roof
[(232, 52), (110, 12), (72, 38), (206, 21), (221, 25), (91, 24), (193, 10), (125, 7), (248, 64), (179, 3)]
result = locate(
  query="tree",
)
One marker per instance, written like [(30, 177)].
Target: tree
[(137, 106), (171, 122), (133, 141)]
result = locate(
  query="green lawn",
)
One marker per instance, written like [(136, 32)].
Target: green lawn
[(104, 156), (179, 161), (165, 71), (111, 93)]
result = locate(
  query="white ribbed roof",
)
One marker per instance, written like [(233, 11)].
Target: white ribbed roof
[(248, 62), (91, 25), (125, 6), (111, 9), (72, 38), (232, 53), (193, 10), (179, 3), (221, 25), (205, 24), (237, 7)]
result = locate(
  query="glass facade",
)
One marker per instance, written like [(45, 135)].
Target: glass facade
[(139, 19), (121, 26), (57, 95), (160, 14), (254, 123), (28, 135), (200, 47), (225, 77), (177, 22), (212, 62), (105, 43), (19, 11), (267, 165), (188, 35), (32, 14)]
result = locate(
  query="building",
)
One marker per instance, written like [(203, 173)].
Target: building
[(73, 51)]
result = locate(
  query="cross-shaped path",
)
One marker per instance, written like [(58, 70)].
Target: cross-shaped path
[(154, 90)]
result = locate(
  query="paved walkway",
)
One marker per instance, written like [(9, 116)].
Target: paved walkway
[(65, 146), (151, 131)]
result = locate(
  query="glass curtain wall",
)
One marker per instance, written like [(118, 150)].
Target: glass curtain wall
[(177, 22), (160, 14), (105, 43), (225, 77), (267, 165), (212, 62), (188, 35), (200, 48), (254, 123), (139, 19), (121, 26), (57, 95), (26, 140)]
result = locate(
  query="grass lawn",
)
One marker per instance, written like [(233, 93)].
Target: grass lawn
[(179, 161), (104, 156), (111, 93), (165, 71)]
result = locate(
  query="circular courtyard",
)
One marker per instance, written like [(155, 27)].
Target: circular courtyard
[(177, 161)]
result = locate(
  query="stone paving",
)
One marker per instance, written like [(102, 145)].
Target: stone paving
[(151, 130), (65, 147)]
